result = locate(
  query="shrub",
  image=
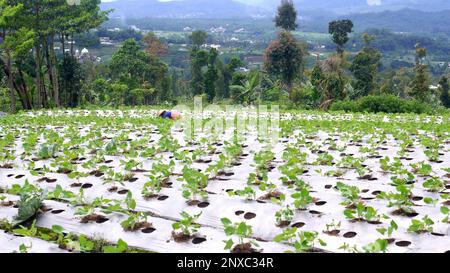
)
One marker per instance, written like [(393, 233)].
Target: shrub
[(382, 103)]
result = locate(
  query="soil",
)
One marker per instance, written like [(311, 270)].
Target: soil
[(6, 203), (274, 194), (76, 185), (244, 248), (113, 189), (334, 232), (166, 184), (99, 219), (193, 202), (350, 234), (283, 224), (64, 171), (403, 243), (151, 196), (203, 204), (405, 213), (140, 225), (162, 197), (249, 215), (298, 225), (7, 166), (198, 240), (181, 237)]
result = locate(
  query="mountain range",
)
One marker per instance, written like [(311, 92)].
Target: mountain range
[(260, 8)]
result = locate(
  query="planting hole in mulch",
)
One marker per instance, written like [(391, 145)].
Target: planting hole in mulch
[(321, 203), (376, 192), (57, 211), (245, 248), (298, 225), (239, 212), (417, 198), (10, 175), (99, 219), (350, 234), (390, 240), (181, 237), (401, 212), (134, 179), (315, 212), (51, 180), (437, 234), (249, 215), (365, 191), (403, 243), (334, 232), (193, 202), (19, 176), (75, 185), (124, 191), (163, 197), (283, 224), (203, 205), (113, 189), (87, 186), (198, 240), (148, 230), (328, 187)]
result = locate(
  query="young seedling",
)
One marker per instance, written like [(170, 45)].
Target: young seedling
[(351, 194), (187, 226), (333, 228), (302, 199), (362, 213), (434, 184), (248, 193), (243, 232), (121, 247), (195, 183), (421, 226), (303, 241), (284, 217)]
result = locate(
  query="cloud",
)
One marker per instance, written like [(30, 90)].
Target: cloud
[(374, 2)]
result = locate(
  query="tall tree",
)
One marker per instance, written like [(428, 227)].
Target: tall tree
[(339, 30), (198, 38), (364, 67), (287, 16), (211, 75), (154, 46), (421, 84), (284, 58), (8, 15), (444, 88)]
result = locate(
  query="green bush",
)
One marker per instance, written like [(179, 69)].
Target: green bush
[(382, 104)]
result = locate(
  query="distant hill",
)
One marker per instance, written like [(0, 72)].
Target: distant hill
[(184, 9), (406, 20), (358, 6)]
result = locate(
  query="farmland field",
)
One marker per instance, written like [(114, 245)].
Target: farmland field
[(123, 181)]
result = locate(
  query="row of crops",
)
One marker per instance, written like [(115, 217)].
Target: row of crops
[(125, 181)]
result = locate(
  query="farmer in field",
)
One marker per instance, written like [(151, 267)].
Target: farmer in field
[(173, 115)]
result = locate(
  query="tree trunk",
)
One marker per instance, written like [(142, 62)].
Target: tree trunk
[(39, 84), (54, 72), (71, 46), (11, 83), (63, 40)]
